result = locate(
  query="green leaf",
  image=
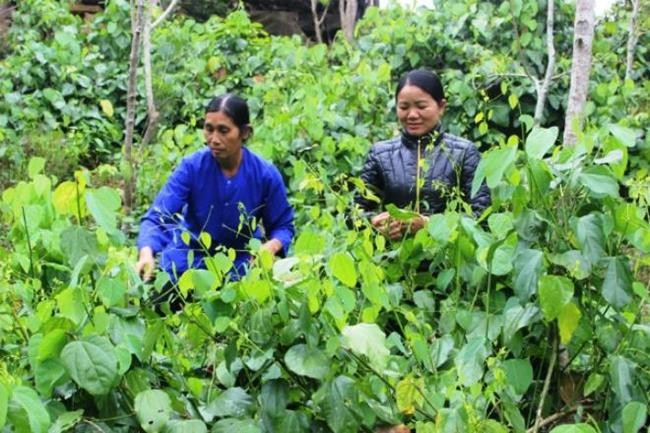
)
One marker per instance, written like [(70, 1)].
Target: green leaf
[(49, 374), (51, 345), (621, 374), (409, 394), (554, 293), (519, 374), (492, 167), (568, 321), (342, 267), (469, 361), (634, 416), (573, 428), (617, 286), (107, 107), (77, 242), (400, 214), (334, 398), (111, 291), (591, 237), (103, 204), (368, 340), (625, 136), (491, 426), (66, 421), (153, 408), (290, 421), (233, 402), (92, 364), (274, 396), (232, 425), (27, 412), (527, 269), (594, 381), (185, 426), (574, 262), (599, 181), (4, 404), (35, 166), (307, 361), (540, 140)]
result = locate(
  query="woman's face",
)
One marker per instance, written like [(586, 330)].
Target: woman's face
[(223, 136), (417, 111)]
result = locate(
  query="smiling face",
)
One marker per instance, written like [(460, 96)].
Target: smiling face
[(417, 111), (223, 137)]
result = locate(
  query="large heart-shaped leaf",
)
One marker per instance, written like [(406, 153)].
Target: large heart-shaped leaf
[(307, 361), (92, 364)]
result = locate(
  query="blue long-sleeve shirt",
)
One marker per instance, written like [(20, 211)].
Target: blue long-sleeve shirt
[(198, 197)]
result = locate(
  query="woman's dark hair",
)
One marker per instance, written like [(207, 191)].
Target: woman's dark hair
[(425, 80), (234, 106)]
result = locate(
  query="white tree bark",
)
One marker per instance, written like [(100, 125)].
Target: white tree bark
[(318, 21), (542, 90), (632, 39), (580, 68), (348, 13)]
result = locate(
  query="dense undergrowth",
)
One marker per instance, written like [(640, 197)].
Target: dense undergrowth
[(537, 310)]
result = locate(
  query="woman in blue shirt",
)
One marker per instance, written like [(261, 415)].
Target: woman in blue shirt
[(224, 190)]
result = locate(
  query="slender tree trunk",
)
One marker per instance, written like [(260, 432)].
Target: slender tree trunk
[(348, 13), (129, 178), (318, 21), (580, 68), (152, 112), (542, 90), (632, 39)]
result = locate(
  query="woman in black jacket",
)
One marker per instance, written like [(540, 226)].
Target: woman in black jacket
[(420, 169)]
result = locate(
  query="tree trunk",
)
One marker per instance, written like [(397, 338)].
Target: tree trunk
[(152, 112), (348, 12), (632, 39), (580, 69), (318, 21), (542, 90), (129, 177)]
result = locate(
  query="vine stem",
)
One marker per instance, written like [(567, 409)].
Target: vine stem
[(29, 244), (547, 382)]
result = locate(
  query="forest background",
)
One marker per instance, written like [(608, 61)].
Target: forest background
[(533, 319)]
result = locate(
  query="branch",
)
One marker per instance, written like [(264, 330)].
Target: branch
[(317, 22), (547, 382), (550, 67), (165, 14), (632, 39)]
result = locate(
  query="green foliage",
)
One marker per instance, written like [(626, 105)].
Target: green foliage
[(446, 330)]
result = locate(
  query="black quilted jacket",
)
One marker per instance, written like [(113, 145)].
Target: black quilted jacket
[(450, 161)]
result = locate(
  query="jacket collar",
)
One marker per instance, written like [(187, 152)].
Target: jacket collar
[(432, 137)]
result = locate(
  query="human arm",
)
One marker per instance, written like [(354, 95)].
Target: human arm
[(277, 214), (373, 180), (153, 235)]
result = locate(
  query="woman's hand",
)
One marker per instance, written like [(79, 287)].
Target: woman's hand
[(146, 264), (389, 227), (273, 246), (394, 229)]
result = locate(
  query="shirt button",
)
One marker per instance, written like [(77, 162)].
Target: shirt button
[(228, 182), (227, 203)]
